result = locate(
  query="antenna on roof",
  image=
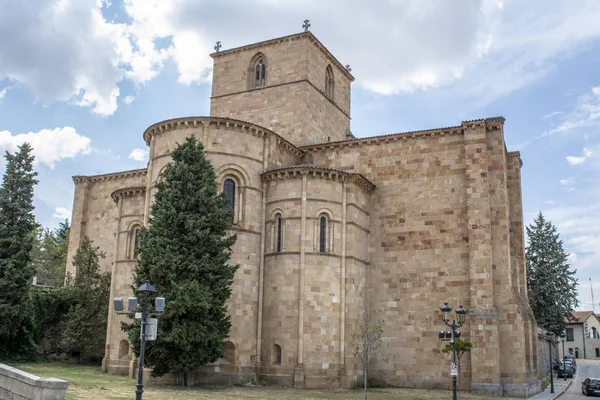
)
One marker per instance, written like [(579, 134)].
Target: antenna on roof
[(592, 290)]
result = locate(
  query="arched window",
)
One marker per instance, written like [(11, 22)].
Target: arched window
[(123, 349), (276, 356), (229, 190), (136, 239), (323, 234), (229, 352), (278, 234), (133, 240), (258, 71), (329, 84)]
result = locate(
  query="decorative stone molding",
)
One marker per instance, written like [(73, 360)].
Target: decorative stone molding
[(218, 123), (109, 177), (384, 139), (319, 172), (515, 154), (289, 38), (128, 192)]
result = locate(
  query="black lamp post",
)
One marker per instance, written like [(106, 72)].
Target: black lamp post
[(456, 323), (549, 336), (144, 291), (562, 339)]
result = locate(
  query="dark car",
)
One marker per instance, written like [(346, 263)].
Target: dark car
[(590, 386), (566, 369), (571, 359)]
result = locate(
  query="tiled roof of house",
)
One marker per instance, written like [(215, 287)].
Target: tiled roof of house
[(580, 317)]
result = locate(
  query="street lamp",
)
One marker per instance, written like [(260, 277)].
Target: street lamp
[(456, 323), (148, 327), (549, 336), (563, 336)]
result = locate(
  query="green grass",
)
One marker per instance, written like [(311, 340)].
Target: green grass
[(86, 382)]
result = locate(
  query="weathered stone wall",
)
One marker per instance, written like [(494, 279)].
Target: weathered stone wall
[(292, 102), (95, 213)]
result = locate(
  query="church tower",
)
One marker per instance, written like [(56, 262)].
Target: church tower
[(292, 85)]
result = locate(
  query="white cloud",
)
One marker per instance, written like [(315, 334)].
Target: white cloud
[(552, 114), (66, 50), (585, 114), (49, 145), (128, 99), (3, 93), (573, 160), (138, 155), (61, 213), (567, 182)]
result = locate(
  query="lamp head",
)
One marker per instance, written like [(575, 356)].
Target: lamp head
[(461, 315), (146, 288), (445, 309)]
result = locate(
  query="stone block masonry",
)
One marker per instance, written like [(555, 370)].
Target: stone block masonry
[(19, 385)]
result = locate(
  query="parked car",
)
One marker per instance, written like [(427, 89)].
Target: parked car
[(572, 360), (590, 386), (566, 369)]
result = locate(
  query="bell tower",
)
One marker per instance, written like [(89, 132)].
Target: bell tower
[(291, 85)]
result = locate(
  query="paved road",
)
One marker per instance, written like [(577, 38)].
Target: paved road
[(585, 369)]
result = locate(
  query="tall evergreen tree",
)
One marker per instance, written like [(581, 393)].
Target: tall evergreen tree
[(185, 253), (89, 291), (17, 225), (551, 284), (49, 255)]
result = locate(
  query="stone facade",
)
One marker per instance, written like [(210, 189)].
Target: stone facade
[(328, 224)]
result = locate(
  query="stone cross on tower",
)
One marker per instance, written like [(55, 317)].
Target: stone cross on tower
[(306, 25), (218, 46), (348, 68)]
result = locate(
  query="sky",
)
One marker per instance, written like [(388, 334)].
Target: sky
[(80, 80)]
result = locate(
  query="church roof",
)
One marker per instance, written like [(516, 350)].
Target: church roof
[(317, 167), (264, 43)]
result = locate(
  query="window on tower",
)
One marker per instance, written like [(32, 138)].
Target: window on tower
[(258, 71), (329, 84), (229, 189)]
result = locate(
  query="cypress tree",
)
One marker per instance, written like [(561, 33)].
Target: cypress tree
[(185, 254), (17, 233), (88, 292), (552, 287)]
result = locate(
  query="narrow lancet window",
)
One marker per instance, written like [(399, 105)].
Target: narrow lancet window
[(329, 82), (260, 72), (323, 234), (229, 189), (278, 234)]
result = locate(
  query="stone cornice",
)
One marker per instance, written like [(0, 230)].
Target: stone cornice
[(128, 192), (319, 172), (219, 123), (296, 36), (515, 154), (383, 139), (109, 177)]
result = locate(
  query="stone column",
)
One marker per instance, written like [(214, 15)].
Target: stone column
[(299, 371), (483, 319)]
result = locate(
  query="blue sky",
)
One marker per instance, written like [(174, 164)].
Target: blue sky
[(81, 80)]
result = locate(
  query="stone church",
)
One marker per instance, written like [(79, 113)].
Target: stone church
[(328, 223)]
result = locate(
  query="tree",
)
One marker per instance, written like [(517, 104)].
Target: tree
[(366, 341), (185, 254), (49, 256), (89, 291), (462, 347), (17, 225), (552, 287)]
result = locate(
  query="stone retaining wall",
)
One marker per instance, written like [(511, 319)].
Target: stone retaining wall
[(19, 385)]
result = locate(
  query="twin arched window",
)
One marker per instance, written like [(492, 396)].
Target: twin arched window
[(258, 71), (329, 84)]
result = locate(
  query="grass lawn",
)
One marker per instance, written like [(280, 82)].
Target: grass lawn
[(87, 382)]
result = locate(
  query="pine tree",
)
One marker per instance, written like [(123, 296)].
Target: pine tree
[(17, 225), (552, 287), (89, 291), (185, 254), (49, 256)]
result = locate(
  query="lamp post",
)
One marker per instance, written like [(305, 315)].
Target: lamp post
[(549, 336), (562, 339), (456, 323), (144, 292)]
